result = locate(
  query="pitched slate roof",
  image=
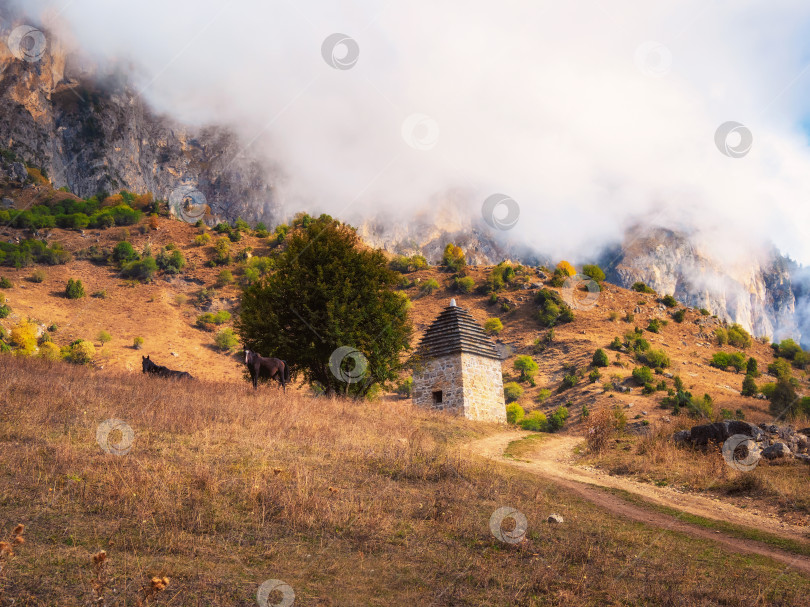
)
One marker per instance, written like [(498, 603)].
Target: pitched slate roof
[(455, 331)]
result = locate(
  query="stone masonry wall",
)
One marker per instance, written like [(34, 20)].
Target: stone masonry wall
[(483, 388), (471, 386), (443, 374)]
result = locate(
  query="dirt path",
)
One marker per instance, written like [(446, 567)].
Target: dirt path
[(553, 460)]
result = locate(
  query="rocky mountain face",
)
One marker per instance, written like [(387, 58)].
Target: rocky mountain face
[(759, 294), (92, 133)]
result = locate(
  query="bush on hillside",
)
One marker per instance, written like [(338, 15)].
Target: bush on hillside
[(553, 310), (74, 289), (739, 337), (453, 258), (512, 391), (535, 421), (642, 375), (514, 413), (600, 358), (640, 287), (493, 326)]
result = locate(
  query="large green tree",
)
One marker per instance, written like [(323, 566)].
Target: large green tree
[(330, 310)]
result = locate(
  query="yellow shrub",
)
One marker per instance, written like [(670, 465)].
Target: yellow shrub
[(566, 267), (50, 351), (37, 176), (80, 352), (24, 336)]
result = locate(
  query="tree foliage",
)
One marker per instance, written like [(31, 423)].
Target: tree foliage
[(328, 292)]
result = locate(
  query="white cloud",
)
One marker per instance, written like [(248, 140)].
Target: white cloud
[(544, 102)]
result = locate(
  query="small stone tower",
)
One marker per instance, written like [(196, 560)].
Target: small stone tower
[(459, 369)]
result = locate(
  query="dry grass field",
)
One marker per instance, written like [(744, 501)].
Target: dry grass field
[(349, 503)]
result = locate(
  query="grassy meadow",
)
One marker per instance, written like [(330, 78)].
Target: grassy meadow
[(350, 503)]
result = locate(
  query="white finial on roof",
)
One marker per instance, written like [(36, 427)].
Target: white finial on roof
[(453, 303)]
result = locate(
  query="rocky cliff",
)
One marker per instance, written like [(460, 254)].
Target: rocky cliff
[(758, 294), (91, 132)]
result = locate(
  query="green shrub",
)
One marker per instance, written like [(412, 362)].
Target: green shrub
[(767, 389), (405, 388), (406, 265), (38, 276), (124, 252), (669, 301), (616, 344), (594, 272), (569, 381), (781, 368), (222, 251), (226, 340), (527, 367), (429, 286), (202, 239), (705, 312), (543, 395), (679, 315), (465, 285), (493, 326), (104, 337), (783, 398), (642, 288), (654, 326), (5, 283), (5, 310), (557, 419), (739, 337), (170, 260), (553, 310), (722, 336), (512, 391), (594, 376), (751, 367), (260, 231), (225, 277), (656, 359), (137, 343), (534, 421), (642, 375), (600, 358), (143, 270), (514, 413), (749, 386), (74, 289)]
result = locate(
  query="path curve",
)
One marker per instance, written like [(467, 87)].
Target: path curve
[(553, 460)]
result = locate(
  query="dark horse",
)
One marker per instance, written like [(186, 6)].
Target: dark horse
[(160, 371), (259, 366)]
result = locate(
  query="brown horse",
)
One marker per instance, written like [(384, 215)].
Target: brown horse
[(260, 366), (160, 370)]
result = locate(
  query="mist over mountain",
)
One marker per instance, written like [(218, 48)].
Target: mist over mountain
[(603, 139)]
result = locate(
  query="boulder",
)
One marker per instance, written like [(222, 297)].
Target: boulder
[(7, 203), (776, 451), (719, 432), (555, 518), (681, 437), (803, 457), (19, 172)]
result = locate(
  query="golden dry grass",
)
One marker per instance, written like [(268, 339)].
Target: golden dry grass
[(350, 503), (656, 458)]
